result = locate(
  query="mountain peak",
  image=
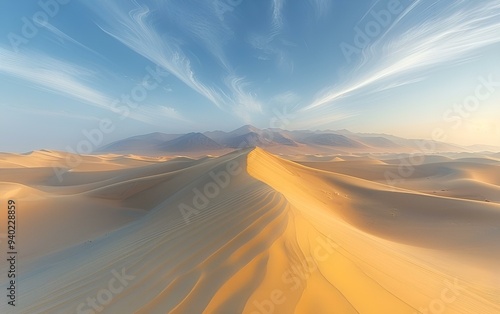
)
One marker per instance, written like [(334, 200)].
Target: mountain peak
[(245, 129), (190, 142)]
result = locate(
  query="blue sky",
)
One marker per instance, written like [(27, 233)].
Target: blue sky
[(402, 67)]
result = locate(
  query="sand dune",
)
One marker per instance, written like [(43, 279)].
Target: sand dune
[(250, 232)]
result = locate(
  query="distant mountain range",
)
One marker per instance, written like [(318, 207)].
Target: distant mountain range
[(277, 140)]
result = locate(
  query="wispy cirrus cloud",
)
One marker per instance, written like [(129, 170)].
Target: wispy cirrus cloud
[(321, 7), (158, 113), (65, 37), (245, 103), (269, 44), (370, 9), (134, 26), (53, 75), (271, 48), (278, 14), (436, 41), (204, 26), (318, 119), (286, 98), (136, 30), (71, 81)]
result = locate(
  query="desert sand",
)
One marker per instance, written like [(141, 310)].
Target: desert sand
[(253, 232)]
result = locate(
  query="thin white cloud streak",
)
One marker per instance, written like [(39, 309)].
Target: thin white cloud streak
[(368, 11), (172, 113), (203, 25), (285, 98), (245, 103), (395, 84), (277, 13), (69, 80), (158, 113), (52, 75), (435, 42), (286, 105), (321, 7), (136, 31), (318, 120), (370, 52), (271, 50), (401, 16), (63, 36), (271, 44)]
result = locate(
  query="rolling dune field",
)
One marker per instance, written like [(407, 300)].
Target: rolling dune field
[(252, 232)]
